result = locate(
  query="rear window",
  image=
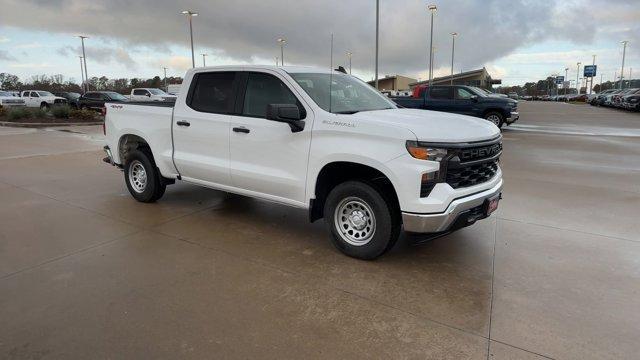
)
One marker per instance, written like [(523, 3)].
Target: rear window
[(213, 92), (441, 93)]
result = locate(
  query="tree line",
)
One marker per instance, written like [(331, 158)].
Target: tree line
[(548, 87), (58, 82)]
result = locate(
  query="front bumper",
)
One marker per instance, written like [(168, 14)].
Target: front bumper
[(460, 212), (513, 118)]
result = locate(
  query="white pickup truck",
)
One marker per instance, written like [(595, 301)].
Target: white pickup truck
[(367, 167), (150, 94)]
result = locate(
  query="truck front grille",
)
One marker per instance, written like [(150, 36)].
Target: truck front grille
[(465, 176)]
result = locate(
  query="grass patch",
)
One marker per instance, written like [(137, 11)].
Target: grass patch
[(82, 114), (18, 113), (61, 112)]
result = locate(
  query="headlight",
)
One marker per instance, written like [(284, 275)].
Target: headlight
[(633, 100), (425, 152)]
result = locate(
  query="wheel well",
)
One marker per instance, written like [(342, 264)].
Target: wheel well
[(336, 173), (44, 103), (499, 111), (132, 142)]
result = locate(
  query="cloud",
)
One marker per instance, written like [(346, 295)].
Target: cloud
[(246, 30), (4, 55), (4, 39), (101, 55)]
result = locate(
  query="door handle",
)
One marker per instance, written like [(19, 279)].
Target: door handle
[(241, 130), (183, 123)]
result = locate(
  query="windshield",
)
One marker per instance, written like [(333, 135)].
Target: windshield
[(44, 93), (157, 92), (115, 96), (349, 95), (480, 91), (73, 95)]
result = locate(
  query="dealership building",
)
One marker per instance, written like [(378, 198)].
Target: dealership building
[(479, 78)]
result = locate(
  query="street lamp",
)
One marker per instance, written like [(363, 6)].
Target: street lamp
[(81, 72), (165, 79), (577, 76), (282, 41), (624, 52), (453, 51), (432, 9), (349, 54), (377, 31), (190, 14), (204, 61), (566, 78), (84, 59), (591, 83)]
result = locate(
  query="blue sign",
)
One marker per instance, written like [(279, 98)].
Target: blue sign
[(590, 70), (559, 79)]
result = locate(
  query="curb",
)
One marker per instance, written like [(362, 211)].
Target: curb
[(39, 125)]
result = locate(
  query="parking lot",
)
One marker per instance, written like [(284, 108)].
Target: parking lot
[(87, 272)]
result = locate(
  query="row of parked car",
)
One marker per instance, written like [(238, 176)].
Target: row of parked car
[(628, 99), (93, 100)]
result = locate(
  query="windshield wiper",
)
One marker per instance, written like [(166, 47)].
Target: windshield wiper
[(348, 112)]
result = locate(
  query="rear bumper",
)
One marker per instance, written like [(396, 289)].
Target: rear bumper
[(461, 212)]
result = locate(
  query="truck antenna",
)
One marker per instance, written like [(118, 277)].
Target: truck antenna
[(330, 72)]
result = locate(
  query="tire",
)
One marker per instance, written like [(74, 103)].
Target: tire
[(44, 106), (370, 229), (495, 117), (143, 178)]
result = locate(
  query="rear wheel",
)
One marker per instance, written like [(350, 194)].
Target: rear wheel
[(495, 117), (143, 178), (362, 223)]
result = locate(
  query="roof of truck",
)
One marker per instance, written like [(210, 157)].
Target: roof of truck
[(289, 69)]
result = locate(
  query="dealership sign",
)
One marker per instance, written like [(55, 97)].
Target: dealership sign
[(590, 70), (559, 79)]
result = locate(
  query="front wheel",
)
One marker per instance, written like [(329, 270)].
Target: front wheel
[(362, 223), (142, 177), (44, 106), (495, 117)]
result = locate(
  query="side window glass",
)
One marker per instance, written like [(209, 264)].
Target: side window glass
[(441, 93), (213, 92), (34, 94), (139, 92), (463, 94), (262, 90)]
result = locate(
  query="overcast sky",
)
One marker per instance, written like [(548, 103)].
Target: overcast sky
[(517, 40)]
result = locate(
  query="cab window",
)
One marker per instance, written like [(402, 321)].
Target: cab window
[(264, 89), (445, 93), (463, 94), (213, 92)]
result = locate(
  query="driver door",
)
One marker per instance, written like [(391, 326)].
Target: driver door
[(266, 157), (465, 101)]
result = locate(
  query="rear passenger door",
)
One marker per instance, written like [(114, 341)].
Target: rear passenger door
[(201, 128), (440, 98), (266, 156)]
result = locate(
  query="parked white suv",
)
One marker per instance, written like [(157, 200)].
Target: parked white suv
[(317, 140), (41, 99), (150, 94)]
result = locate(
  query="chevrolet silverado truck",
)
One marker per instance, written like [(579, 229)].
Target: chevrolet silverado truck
[(318, 140), (466, 100)]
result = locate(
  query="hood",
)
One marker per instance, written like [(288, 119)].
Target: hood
[(433, 126)]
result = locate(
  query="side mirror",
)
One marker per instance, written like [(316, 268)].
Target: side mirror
[(148, 95), (474, 98), (286, 113)]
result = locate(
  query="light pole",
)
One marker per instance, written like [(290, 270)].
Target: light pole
[(81, 72), (377, 30), (591, 83), (204, 61), (453, 52), (190, 14), (566, 78), (282, 41), (165, 79), (432, 9), (577, 77), (624, 52), (84, 59), (349, 54)]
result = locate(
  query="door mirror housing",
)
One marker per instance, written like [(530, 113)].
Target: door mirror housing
[(286, 113), (474, 98), (148, 95)]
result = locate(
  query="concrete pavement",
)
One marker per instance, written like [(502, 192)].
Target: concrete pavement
[(87, 272)]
